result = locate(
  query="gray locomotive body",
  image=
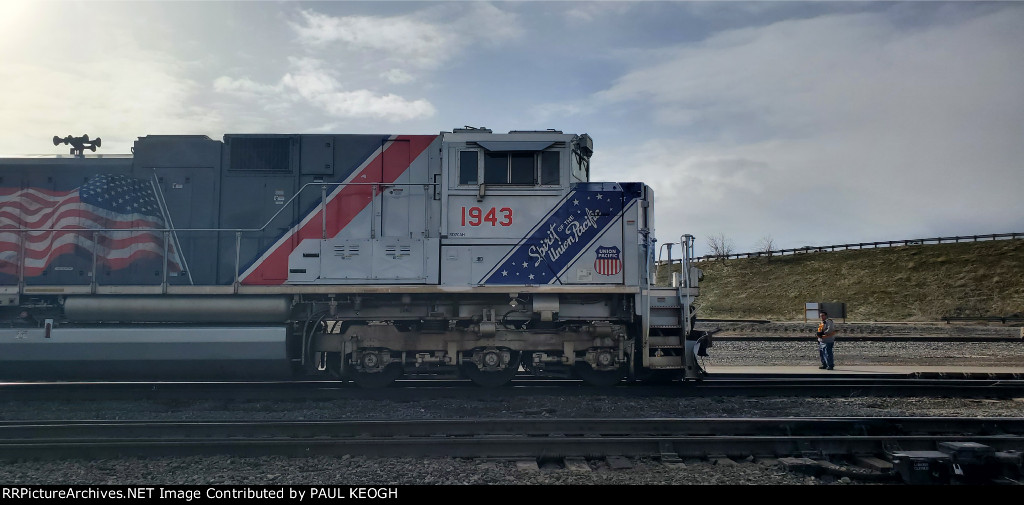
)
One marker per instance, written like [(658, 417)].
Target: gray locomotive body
[(366, 256)]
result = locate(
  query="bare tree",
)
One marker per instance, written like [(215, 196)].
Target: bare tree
[(766, 245), (720, 245)]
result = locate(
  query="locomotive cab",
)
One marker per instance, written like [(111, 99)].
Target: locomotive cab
[(495, 189)]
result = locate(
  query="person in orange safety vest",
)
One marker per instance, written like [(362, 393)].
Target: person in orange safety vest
[(826, 341)]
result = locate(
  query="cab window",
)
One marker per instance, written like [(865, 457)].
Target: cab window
[(519, 169), (549, 168), (468, 171)]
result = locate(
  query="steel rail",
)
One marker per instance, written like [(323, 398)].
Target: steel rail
[(505, 438), (501, 447), (984, 386), (524, 427)]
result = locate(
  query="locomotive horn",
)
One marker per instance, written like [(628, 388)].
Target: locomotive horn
[(78, 144)]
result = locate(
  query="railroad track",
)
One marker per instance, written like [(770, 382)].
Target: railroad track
[(669, 439), (979, 386)]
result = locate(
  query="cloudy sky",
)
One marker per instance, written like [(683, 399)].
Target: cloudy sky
[(806, 123)]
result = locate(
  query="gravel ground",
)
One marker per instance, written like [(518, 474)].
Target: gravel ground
[(803, 349), (801, 328), (805, 352), (356, 471), (347, 470)]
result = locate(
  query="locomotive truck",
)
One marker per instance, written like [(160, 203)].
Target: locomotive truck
[(367, 257)]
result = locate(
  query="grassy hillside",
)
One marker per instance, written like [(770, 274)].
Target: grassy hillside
[(911, 283)]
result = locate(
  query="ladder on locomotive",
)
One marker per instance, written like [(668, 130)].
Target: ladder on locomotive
[(667, 329), (668, 316)]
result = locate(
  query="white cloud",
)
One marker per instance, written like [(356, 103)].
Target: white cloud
[(397, 76), (115, 96), (795, 76), (480, 22), (555, 111), (243, 86), (319, 87), (585, 13), (310, 82), (403, 38), (424, 39), (363, 103), (836, 127), (351, 61), (310, 79)]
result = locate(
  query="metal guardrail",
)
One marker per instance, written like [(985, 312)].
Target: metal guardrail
[(992, 319), (862, 245)]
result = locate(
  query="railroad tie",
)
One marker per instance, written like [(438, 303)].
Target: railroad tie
[(577, 465), (527, 465), (669, 456), (619, 462)]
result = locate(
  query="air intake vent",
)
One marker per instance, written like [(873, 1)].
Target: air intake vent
[(346, 251), (397, 252), (254, 154)]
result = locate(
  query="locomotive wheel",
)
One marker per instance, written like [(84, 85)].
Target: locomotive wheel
[(492, 379), (599, 378), (376, 380)]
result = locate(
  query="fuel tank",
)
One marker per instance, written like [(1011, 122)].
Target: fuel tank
[(178, 309), (160, 352)]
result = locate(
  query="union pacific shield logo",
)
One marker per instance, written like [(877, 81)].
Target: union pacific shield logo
[(608, 261)]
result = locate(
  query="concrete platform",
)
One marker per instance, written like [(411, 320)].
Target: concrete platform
[(896, 370)]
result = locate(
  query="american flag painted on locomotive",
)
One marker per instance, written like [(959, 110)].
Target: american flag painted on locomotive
[(344, 203), (88, 219), (609, 261)]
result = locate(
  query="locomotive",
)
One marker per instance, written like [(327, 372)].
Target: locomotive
[(364, 257)]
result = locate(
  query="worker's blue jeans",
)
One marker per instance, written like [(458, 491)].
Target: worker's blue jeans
[(825, 352)]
